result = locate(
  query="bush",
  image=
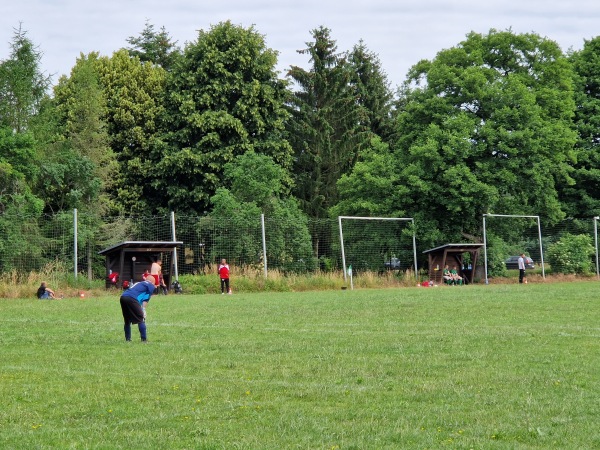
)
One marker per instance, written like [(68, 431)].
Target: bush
[(572, 254)]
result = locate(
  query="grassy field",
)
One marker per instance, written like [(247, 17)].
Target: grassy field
[(499, 366)]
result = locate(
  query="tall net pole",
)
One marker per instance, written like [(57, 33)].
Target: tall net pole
[(596, 244)]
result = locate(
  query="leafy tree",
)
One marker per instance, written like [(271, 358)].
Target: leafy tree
[(134, 94), (582, 199), (371, 188), (257, 186), (81, 108), (80, 164), (224, 99), (19, 150), (154, 46), (327, 129), (22, 84), (485, 128)]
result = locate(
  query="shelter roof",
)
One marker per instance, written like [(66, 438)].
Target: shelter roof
[(141, 246), (457, 248)]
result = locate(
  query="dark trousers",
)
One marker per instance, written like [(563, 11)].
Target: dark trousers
[(224, 285), (521, 275)]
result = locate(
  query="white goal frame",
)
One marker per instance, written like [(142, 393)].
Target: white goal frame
[(485, 260), (596, 244), (399, 219)]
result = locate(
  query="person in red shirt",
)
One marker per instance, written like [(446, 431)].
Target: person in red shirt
[(224, 275)]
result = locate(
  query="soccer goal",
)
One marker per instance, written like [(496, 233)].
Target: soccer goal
[(377, 244), (515, 232)]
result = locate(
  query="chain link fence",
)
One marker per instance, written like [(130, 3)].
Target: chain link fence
[(30, 244)]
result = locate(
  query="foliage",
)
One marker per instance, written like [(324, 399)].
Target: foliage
[(571, 254), (582, 199), (371, 90), (485, 128), (81, 107), (370, 189), (328, 126), (134, 95), (155, 47), (224, 99), (497, 252), (257, 184), (22, 83)]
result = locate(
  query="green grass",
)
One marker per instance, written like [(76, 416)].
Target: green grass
[(499, 366)]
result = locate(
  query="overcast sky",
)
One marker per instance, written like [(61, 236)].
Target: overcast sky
[(400, 32)]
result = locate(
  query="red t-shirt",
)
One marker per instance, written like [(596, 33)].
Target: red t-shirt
[(224, 271)]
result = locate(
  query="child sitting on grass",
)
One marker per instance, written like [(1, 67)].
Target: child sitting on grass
[(44, 292)]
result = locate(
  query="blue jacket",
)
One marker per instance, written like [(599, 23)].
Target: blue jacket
[(141, 291)]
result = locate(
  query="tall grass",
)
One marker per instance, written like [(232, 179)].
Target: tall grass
[(23, 285), (499, 366), (248, 280)]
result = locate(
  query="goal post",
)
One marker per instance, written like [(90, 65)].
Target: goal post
[(596, 218), (384, 219), (539, 228)]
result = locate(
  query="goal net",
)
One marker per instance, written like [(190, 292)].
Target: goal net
[(377, 244), (506, 237)]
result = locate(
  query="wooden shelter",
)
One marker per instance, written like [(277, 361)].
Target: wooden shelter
[(131, 258), (452, 254)]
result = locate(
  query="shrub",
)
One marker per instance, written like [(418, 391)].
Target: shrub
[(571, 254)]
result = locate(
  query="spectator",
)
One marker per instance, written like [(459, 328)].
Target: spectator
[(224, 276), (113, 277), (522, 275), (155, 271), (44, 292), (456, 277), (447, 276)]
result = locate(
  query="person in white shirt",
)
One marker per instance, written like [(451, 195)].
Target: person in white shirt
[(522, 276)]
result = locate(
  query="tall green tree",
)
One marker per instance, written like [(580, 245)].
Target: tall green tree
[(134, 94), (22, 83), (224, 99), (582, 199), (22, 88), (327, 129), (81, 108), (485, 127)]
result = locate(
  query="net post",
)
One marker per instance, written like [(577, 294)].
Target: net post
[(485, 259), (342, 247)]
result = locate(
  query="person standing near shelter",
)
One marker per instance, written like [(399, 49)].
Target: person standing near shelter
[(522, 275), (156, 270), (133, 305), (224, 275)]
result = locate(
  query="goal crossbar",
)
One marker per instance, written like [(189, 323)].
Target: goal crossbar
[(398, 219)]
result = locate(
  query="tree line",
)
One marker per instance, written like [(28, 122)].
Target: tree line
[(500, 123)]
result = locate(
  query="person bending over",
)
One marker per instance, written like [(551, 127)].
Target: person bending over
[(133, 305)]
